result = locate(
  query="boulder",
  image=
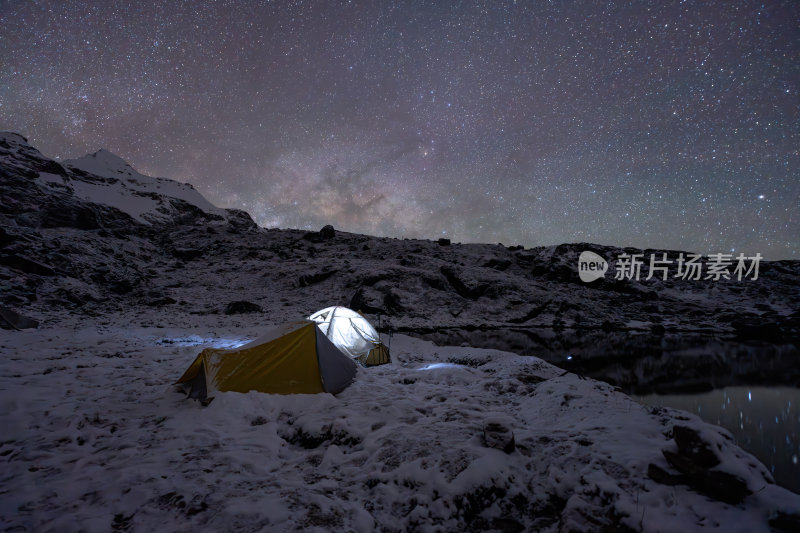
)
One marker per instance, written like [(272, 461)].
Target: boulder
[(367, 300), (722, 486), (693, 447), (695, 461), (10, 319), (499, 435), (240, 221), (241, 307), (327, 232)]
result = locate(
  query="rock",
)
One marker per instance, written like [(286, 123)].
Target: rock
[(187, 254), (185, 213), (327, 232), (310, 279), (722, 486), (18, 298), (693, 447), (27, 265), (10, 319), (73, 214), (258, 421), (51, 167), (499, 435), (368, 300), (240, 221), (497, 264), (757, 328), (6, 237), (392, 301), (785, 521), (659, 475), (443, 242), (74, 292), (530, 315), (695, 460), (158, 299), (471, 292), (241, 307), (121, 283), (608, 326)]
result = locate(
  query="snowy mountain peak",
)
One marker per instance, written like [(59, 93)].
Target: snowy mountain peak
[(103, 163), (101, 181), (145, 198)]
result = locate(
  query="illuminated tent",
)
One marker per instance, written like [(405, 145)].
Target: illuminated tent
[(352, 334), (293, 358)]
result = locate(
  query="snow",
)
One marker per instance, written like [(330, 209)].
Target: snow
[(121, 186), (95, 437)]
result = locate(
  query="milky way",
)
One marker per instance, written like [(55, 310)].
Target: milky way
[(652, 124)]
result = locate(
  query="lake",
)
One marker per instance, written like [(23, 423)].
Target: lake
[(763, 420)]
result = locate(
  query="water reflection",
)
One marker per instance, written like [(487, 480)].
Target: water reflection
[(640, 362), (764, 421)]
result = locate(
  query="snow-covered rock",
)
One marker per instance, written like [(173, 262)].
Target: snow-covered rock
[(106, 179), (97, 190)]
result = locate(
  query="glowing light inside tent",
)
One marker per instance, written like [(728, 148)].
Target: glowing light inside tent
[(348, 330)]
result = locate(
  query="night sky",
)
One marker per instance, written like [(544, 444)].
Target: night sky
[(652, 124)]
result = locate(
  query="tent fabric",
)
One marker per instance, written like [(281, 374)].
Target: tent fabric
[(290, 359), (336, 369), (351, 333), (379, 355), (196, 387)]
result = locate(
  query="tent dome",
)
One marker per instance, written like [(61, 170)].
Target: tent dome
[(348, 330)]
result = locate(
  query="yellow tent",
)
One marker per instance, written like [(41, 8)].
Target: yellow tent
[(379, 355), (294, 358)]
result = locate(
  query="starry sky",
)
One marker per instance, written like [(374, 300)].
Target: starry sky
[(651, 124)]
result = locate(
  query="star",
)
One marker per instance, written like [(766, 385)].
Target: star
[(594, 122)]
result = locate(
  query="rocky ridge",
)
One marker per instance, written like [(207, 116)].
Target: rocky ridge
[(92, 235)]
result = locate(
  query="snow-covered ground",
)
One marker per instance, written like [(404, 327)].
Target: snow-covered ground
[(95, 439)]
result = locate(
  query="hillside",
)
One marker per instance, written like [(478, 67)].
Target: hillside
[(130, 276), (95, 236)]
